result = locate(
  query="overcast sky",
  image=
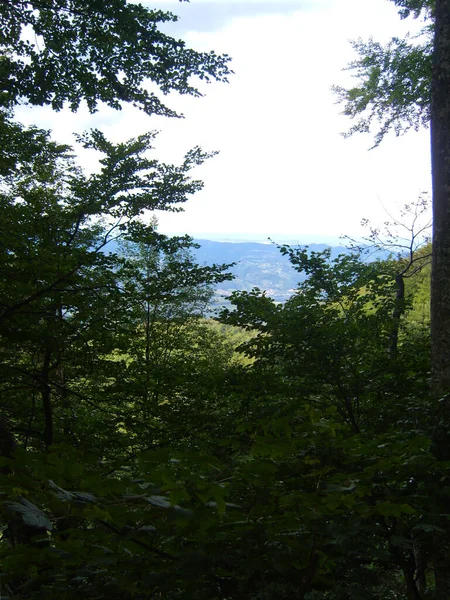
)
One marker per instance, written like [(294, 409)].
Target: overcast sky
[(283, 167)]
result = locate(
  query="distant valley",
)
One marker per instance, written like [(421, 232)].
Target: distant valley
[(258, 265)]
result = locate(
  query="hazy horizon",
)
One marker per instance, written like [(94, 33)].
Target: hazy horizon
[(262, 238)]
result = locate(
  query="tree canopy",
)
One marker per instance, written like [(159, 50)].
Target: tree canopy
[(68, 51), (394, 81)]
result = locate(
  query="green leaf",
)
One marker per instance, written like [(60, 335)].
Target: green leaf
[(31, 514), (159, 501), (388, 509)]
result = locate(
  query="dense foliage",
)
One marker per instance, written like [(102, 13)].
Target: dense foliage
[(69, 51), (393, 90), (287, 451)]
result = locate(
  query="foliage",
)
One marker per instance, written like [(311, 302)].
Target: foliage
[(344, 417), (307, 480), (66, 51), (394, 81), (71, 302), (416, 8), (146, 453)]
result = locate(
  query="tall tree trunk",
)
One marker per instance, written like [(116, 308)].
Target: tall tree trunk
[(408, 567), (440, 150), (421, 567), (399, 309), (440, 282), (7, 443), (46, 399)]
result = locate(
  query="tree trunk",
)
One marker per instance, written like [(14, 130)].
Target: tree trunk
[(421, 567), (440, 282), (408, 564), (7, 445), (399, 309), (46, 400), (440, 149)]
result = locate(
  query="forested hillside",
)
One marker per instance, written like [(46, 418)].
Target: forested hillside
[(289, 450), (255, 265), (252, 265)]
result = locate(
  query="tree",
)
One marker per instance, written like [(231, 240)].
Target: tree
[(69, 307), (440, 147), (167, 363), (60, 293), (436, 84), (440, 283), (67, 51), (335, 432), (56, 221), (407, 239), (394, 81), (78, 372)]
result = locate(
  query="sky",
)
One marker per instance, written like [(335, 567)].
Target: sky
[(283, 167)]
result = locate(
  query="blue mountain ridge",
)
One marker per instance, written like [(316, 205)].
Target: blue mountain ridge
[(258, 265)]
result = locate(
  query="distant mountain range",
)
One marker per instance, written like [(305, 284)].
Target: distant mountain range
[(258, 265)]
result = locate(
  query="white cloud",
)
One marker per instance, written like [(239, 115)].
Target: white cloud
[(212, 2), (283, 167)]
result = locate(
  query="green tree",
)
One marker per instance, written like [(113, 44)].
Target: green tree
[(394, 81), (56, 220), (61, 298), (434, 81), (65, 306), (407, 239), (333, 436), (67, 51), (295, 492), (440, 284), (166, 368)]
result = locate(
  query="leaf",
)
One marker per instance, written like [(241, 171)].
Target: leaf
[(388, 509), (84, 496), (31, 514), (182, 512), (72, 496), (159, 501), (427, 528), (213, 504), (147, 529)]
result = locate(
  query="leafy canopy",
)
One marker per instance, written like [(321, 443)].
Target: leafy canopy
[(64, 51), (394, 81)]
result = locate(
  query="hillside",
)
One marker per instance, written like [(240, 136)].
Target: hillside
[(258, 265)]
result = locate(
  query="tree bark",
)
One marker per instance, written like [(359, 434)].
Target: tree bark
[(421, 567), (7, 445), (46, 400), (440, 282), (399, 309), (440, 152)]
